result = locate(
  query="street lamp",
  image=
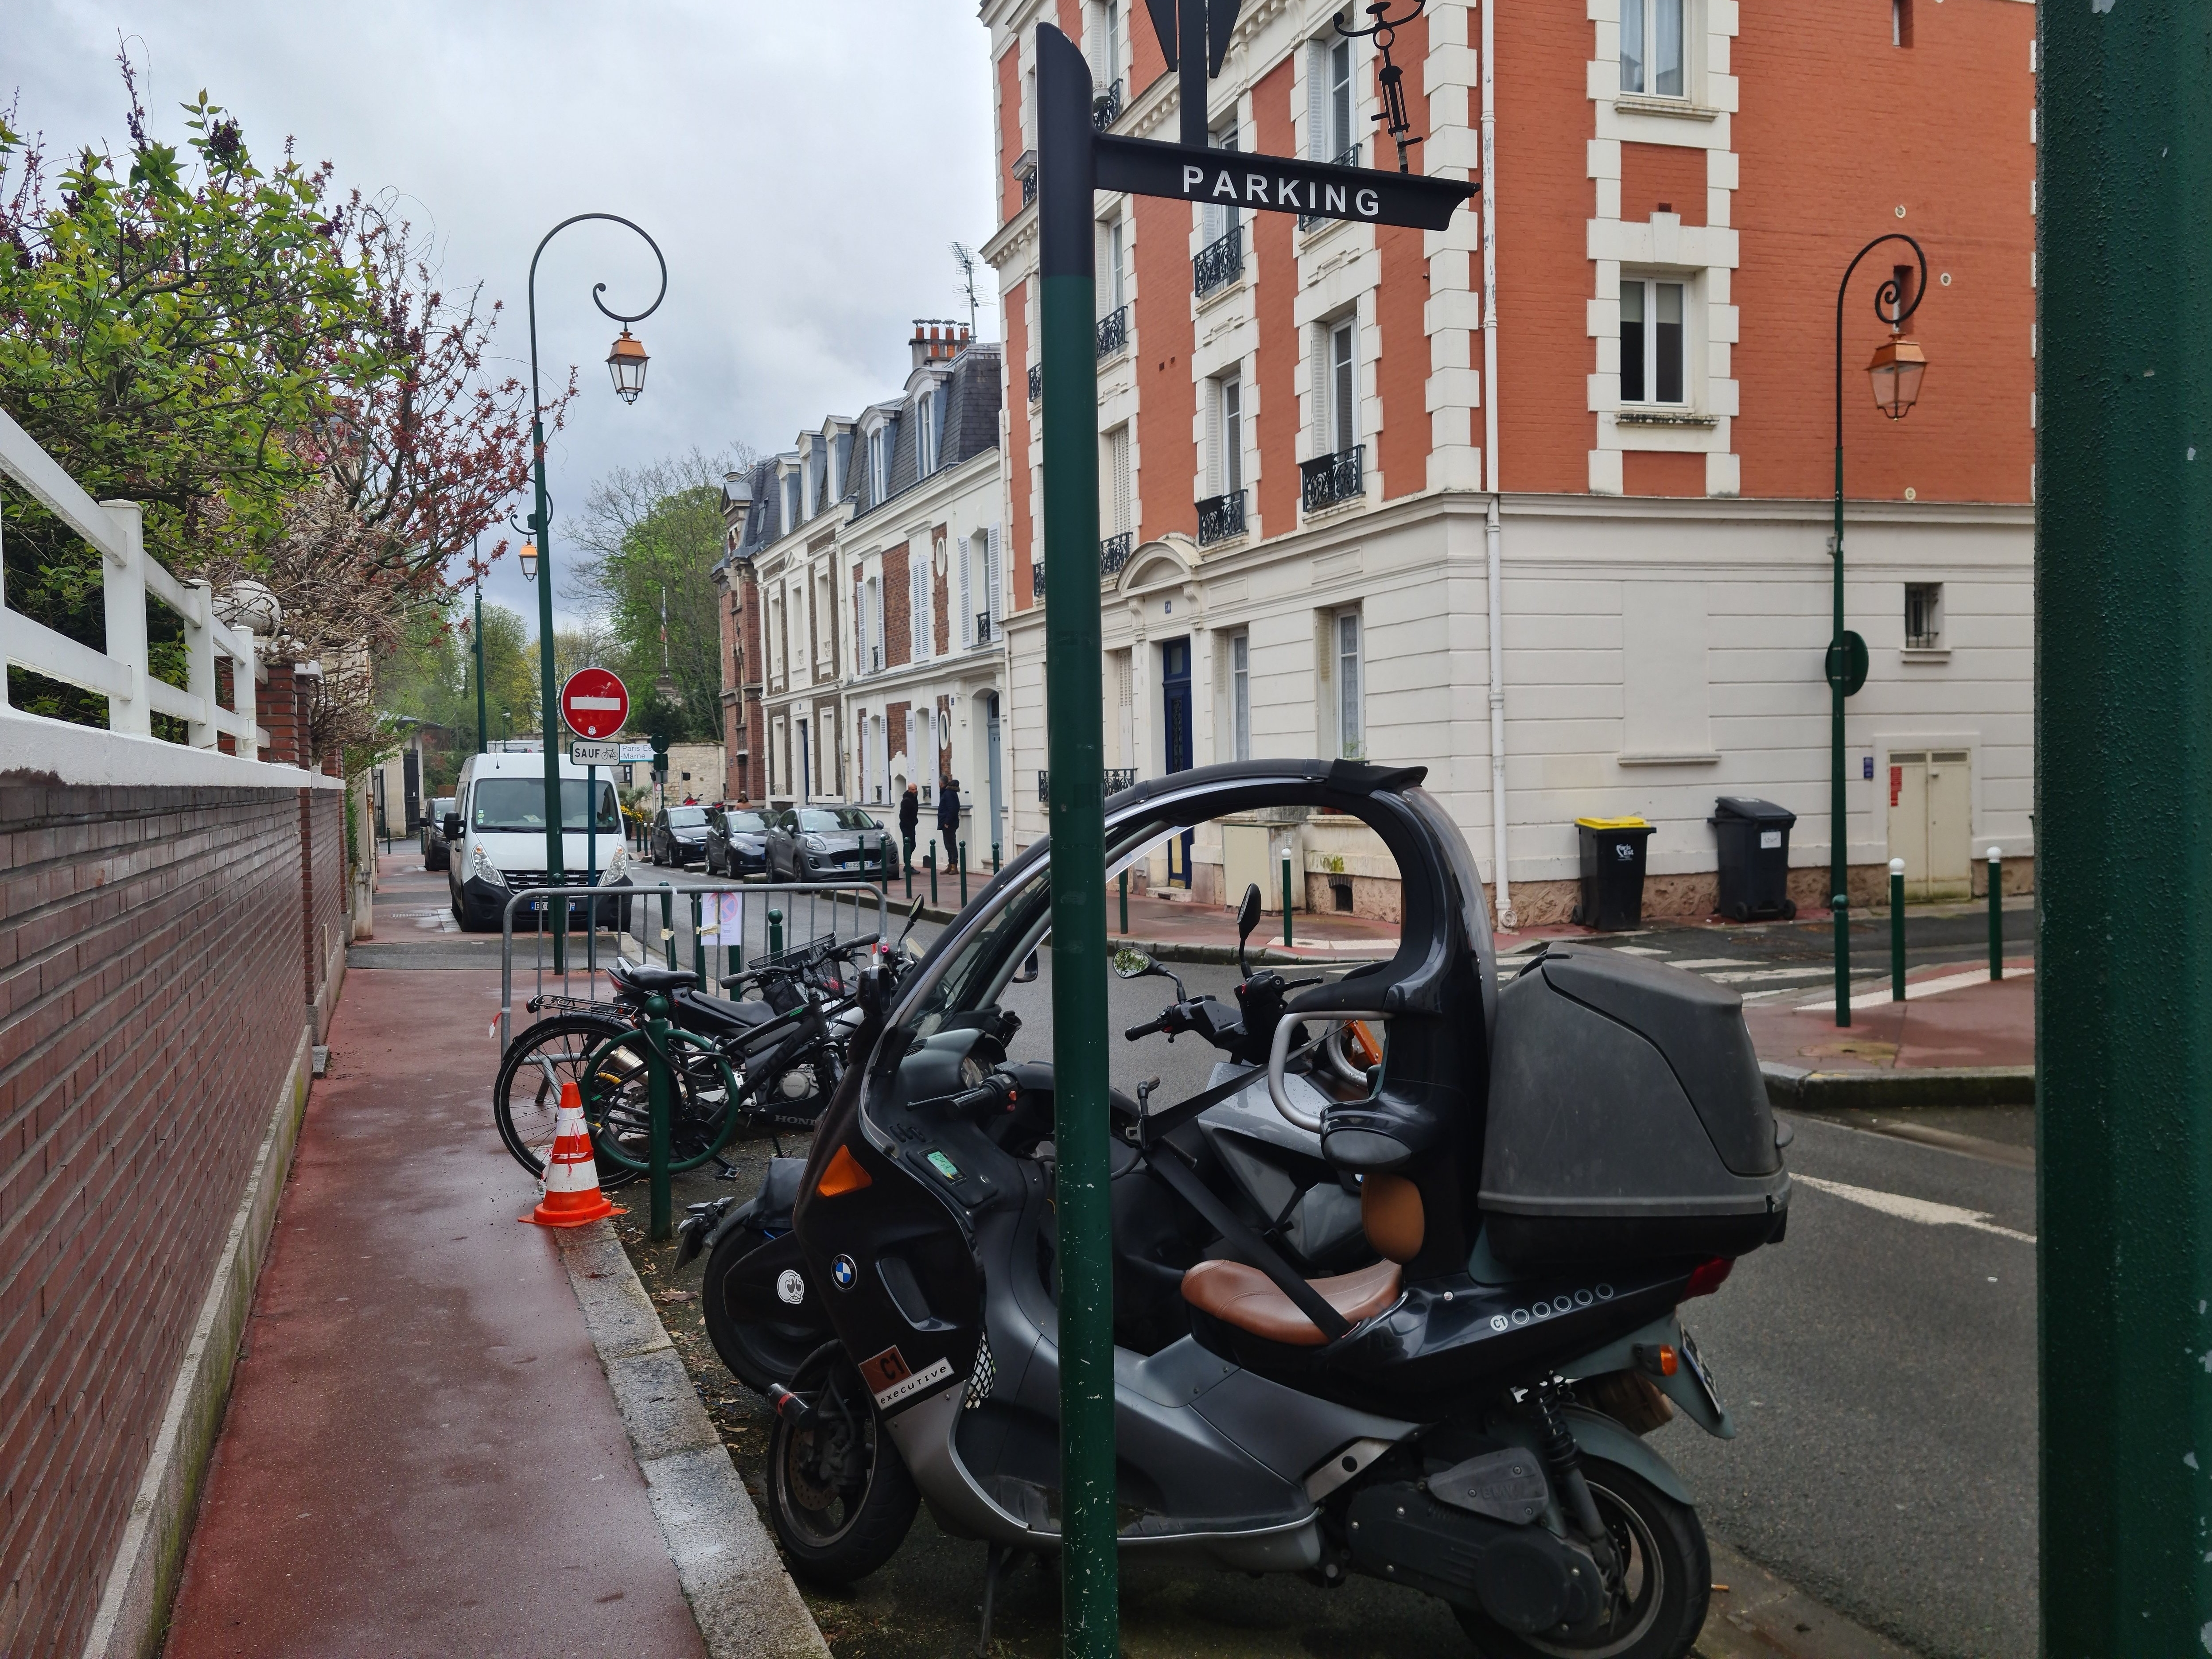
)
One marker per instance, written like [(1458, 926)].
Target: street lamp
[(530, 562), (626, 361), (1895, 372), (481, 736)]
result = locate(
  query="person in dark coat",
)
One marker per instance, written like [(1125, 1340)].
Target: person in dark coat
[(948, 819), (909, 815)]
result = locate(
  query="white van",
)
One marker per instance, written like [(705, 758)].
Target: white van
[(495, 840)]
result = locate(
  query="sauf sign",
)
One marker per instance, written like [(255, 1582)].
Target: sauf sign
[(1074, 161)]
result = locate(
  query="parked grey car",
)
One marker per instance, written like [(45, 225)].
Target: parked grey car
[(826, 843), (435, 853)]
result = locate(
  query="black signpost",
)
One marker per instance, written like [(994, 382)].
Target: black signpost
[(1073, 161)]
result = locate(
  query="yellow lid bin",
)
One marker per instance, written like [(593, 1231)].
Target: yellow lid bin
[(1613, 872)]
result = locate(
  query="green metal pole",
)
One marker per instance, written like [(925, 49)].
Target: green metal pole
[(657, 1132), (1125, 904), (1997, 923), (929, 857), (699, 940), (548, 696), (484, 715), (962, 859), (1286, 898), (907, 864), (1076, 754), (668, 923), (1897, 930), (994, 858), (775, 934), (2123, 877)]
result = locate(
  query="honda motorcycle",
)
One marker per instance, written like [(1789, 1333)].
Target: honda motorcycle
[(1447, 1392)]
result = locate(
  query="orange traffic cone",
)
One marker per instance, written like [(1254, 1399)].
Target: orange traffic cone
[(572, 1174)]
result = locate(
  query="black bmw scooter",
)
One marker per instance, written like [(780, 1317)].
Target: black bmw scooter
[(1543, 1173)]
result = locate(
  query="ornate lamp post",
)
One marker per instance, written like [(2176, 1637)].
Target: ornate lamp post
[(1896, 371), (626, 362), (481, 736)]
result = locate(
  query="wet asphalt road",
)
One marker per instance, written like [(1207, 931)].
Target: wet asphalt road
[(1880, 1363)]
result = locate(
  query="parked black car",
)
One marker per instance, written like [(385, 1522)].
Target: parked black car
[(679, 835), (737, 842), (435, 853), (826, 843)]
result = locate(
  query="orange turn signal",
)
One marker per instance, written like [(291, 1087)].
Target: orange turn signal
[(1669, 1361), (844, 1175)]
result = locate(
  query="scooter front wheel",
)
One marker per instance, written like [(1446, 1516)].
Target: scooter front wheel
[(839, 1496), (1666, 1579)]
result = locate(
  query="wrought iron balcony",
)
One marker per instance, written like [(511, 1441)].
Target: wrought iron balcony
[(1349, 158), (1114, 332), (982, 628), (1029, 188), (1218, 264), (1325, 480), (1220, 518), (1112, 779), (1114, 553), (1106, 106), (1037, 381)]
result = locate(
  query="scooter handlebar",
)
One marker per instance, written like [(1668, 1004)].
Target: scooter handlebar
[(1278, 1053)]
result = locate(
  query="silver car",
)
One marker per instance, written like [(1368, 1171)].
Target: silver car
[(826, 843)]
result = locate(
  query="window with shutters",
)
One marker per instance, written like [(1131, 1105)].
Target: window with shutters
[(964, 591), (1118, 492), (925, 435), (1351, 715), (1331, 103), (1224, 459), (1240, 696), (1217, 220), (994, 603), (1335, 385)]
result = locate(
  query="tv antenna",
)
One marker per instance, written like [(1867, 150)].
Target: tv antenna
[(966, 261)]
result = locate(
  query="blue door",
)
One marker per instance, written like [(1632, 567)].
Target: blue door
[(1175, 728)]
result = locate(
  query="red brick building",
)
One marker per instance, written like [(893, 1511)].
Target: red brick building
[(1570, 459)]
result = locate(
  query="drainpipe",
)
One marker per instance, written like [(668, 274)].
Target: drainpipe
[(1492, 556)]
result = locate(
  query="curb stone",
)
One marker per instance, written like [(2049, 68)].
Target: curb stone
[(1898, 1088), (744, 1602)]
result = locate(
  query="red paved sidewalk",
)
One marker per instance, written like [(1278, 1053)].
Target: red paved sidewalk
[(1991, 1023), (422, 1455)]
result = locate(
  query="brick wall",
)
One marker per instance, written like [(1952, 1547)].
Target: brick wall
[(145, 1033), (898, 607)]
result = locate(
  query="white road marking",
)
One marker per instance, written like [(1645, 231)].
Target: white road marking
[(1771, 973), (1926, 1212), (1718, 962), (1917, 988), (1635, 950)]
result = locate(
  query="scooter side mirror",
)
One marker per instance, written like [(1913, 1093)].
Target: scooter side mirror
[(1030, 970), (1130, 962), (873, 994), (1248, 918), (913, 915)]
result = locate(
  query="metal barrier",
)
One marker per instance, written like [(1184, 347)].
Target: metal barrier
[(629, 939)]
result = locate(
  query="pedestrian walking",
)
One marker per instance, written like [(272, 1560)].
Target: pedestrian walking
[(948, 819), (909, 817)]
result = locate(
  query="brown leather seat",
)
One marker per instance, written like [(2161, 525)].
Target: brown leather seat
[(1247, 1298)]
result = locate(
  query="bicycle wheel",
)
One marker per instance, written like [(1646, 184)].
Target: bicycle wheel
[(707, 1105), (524, 1104)]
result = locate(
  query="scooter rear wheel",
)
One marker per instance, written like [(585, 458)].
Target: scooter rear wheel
[(1666, 1579), (840, 1498)]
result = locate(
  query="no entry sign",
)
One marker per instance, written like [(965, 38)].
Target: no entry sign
[(595, 704)]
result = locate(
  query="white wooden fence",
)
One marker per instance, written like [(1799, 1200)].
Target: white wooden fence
[(121, 673)]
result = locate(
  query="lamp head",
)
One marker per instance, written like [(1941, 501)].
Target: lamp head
[(1896, 371), (530, 562), (626, 361)]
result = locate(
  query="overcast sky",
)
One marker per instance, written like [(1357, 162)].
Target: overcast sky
[(803, 167)]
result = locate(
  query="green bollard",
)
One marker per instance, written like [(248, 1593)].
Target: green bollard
[(994, 858), (907, 865), (1997, 913), (1897, 930), (775, 934), (1842, 910), (657, 1132), (1125, 904), (930, 856), (699, 940), (884, 865), (668, 923), (1286, 898), (962, 858)]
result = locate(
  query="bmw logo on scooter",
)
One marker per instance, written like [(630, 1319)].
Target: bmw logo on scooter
[(843, 1273)]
